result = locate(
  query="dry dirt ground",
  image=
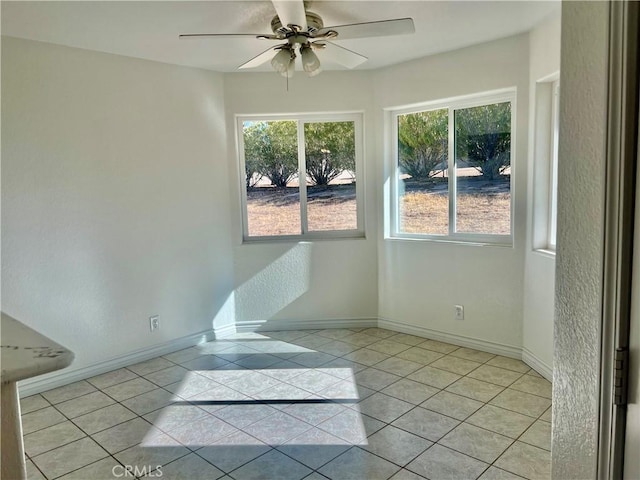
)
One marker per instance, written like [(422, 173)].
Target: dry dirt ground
[(482, 207)]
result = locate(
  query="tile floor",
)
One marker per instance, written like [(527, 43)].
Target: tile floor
[(342, 404)]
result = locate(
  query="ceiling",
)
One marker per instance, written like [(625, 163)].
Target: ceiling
[(149, 29)]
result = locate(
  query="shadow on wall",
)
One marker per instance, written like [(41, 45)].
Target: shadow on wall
[(276, 285)]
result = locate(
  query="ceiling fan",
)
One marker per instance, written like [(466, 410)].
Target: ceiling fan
[(303, 32)]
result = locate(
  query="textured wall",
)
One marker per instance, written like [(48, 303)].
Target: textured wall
[(539, 277), (583, 105), (420, 281), (314, 280), (114, 198)]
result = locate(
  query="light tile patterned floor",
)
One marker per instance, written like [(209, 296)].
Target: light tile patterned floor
[(358, 404)]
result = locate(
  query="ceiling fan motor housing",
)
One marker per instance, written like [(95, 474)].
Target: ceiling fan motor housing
[(314, 23)]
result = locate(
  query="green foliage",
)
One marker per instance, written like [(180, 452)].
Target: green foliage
[(329, 150), (483, 138), (271, 150), (422, 143)]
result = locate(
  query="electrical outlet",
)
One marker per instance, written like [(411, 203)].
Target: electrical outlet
[(154, 322), (459, 315)]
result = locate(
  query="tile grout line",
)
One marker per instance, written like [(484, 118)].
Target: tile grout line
[(351, 446), (388, 424), (88, 435), (513, 441), (338, 380)]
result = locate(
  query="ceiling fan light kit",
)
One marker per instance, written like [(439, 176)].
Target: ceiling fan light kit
[(310, 61), (301, 30), (284, 60)]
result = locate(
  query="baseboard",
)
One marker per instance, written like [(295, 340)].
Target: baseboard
[(221, 332), (69, 375), (271, 325), (538, 365), (461, 340)]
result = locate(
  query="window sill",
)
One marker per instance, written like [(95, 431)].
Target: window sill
[(310, 237), (545, 252), (508, 242)]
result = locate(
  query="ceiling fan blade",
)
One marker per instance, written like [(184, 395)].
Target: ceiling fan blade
[(382, 28), (341, 55), (266, 36), (258, 60), (291, 12)]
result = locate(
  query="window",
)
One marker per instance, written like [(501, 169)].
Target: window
[(325, 152), (553, 167), (545, 165), (452, 169)]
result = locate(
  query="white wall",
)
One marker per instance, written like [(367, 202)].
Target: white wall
[(579, 262), (539, 279), (115, 201), (120, 200), (306, 281), (420, 281)]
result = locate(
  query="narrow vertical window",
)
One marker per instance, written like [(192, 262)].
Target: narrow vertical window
[(553, 187), (545, 164)]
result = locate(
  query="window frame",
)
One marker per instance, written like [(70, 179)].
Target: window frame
[(452, 104), (301, 119), (553, 166), (544, 166)]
